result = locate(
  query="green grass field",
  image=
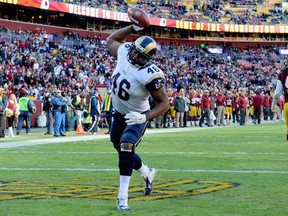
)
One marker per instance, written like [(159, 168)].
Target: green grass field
[(216, 171)]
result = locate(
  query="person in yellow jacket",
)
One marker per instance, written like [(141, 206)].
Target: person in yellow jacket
[(107, 108), (78, 103), (26, 107)]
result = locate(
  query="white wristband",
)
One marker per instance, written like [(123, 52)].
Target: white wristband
[(137, 28)]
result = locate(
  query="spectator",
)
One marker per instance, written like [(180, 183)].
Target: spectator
[(266, 106), (3, 105), (79, 103), (70, 114), (14, 113), (242, 106), (23, 90), (59, 103), (26, 107), (107, 108), (235, 107), (179, 105), (220, 102), (94, 110), (206, 107), (48, 109), (187, 108), (258, 105)]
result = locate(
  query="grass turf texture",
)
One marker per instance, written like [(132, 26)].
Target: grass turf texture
[(81, 178)]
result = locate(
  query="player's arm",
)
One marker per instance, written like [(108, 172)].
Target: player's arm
[(116, 39), (162, 103), (278, 92), (159, 95)]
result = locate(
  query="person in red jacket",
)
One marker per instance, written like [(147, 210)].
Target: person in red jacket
[(206, 107), (257, 103), (266, 105), (242, 106), (220, 102)]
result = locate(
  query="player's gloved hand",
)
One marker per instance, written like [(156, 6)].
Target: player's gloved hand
[(135, 118), (137, 28)]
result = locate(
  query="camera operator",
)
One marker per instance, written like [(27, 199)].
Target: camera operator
[(48, 109)]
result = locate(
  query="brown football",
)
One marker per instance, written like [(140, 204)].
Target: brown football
[(139, 17)]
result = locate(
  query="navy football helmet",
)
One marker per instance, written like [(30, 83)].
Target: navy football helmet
[(142, 51)]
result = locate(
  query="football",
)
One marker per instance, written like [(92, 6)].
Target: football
[(139, 17)]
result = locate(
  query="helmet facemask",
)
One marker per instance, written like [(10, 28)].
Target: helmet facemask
[(142, 51)]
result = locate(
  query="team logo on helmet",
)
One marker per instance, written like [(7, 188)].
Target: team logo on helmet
[(142, 50)]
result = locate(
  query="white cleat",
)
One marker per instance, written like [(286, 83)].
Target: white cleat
[(122, 204), (150, 181)]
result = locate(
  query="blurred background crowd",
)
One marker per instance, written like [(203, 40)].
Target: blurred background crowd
[(32, 59), (74, 64), (219, 11)]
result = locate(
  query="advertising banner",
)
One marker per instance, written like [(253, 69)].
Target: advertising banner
[(155, 21)]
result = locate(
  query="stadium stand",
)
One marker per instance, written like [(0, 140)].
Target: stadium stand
[(237, 12), (90, 64), (70, 61)]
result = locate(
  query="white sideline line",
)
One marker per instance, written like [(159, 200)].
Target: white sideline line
[(91, 137), (152, 153), (50, 141), (86, 137), (161, 170)]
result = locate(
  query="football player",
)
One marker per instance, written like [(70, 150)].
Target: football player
[(194, 104), (134, 79), (229, 109), (281, 86)]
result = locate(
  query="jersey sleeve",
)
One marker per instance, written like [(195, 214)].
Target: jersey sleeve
[(123, 49), (155, 82)]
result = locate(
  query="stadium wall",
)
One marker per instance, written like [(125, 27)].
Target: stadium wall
[(16, 25)]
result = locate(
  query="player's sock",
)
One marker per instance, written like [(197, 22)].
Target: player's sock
[(124, 186), (143, 171)]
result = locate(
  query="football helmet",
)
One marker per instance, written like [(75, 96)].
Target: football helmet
[(142, 51)]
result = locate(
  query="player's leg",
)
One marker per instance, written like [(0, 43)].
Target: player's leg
[(148, 174), (125, 139), (117, 128), (133, 134), (126, 165)]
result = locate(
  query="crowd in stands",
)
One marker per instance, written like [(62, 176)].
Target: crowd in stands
[(219, 11), (37, 62)]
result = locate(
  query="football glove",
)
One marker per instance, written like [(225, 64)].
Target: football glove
[(137, 28), (135, 118)]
